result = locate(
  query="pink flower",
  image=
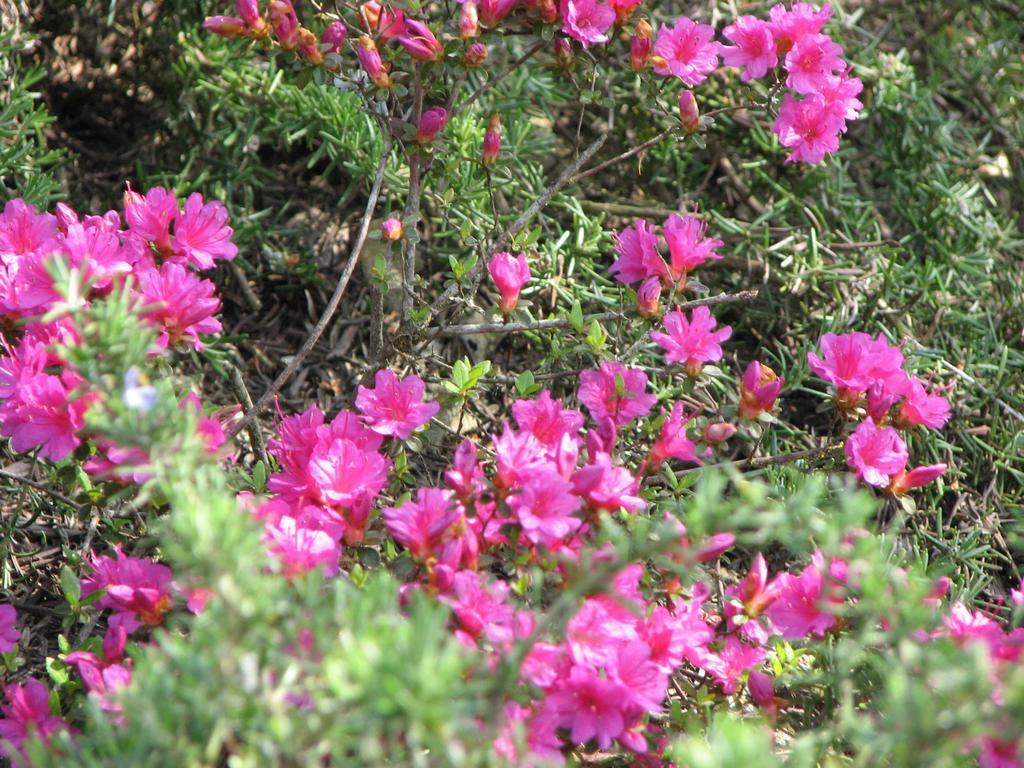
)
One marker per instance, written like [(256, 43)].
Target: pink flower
[(692, 342), (97, 250), (420, 42), (876, 455), (731, 661), (751, 598), (689, 113), (301, 548), (343, 472), (43, 414), (759, 390), (136, 589), (493, 11), (1017, 595), (853, 362), (385, 22), (966, 627), (285, 23), (814, 63), (718, 432), (432, 123), (433, 528), (9, 634), (492, 141), (809, 128), (754, 48), (25, 715), (589, 705), (202, 235), (615, 392), (587, 21), (179, 303), (395, 406), (673, 442), (392, 229), (790, 26), (23, 230), (1000, 753), (687, 246), (150, 217), (904, 481), (798, 610), (104, 677), (638, 254), (226, 26), (687, 51), (517, 456), (606, 486), (509, 273), (841, 98), (546, 419), (640, 46), (371, 62), (334, 36), (544, 506), (919, 407), (648, 298), (481, 608)]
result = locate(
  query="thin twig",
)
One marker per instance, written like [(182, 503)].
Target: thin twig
[(766, 461), (625, 155), (545, 325), (335, 300), (41, 487), (259, 446)]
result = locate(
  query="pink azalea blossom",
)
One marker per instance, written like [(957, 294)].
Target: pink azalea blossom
[(687, 51), (202, 235), (25, 715), (587, 21), (876, 454), (728, 663), (841, 98), (23, 230), (692, 342), (136, 589), (754, 50), (433, 528), (615, 392), (343, 472), (301, 548), (750, 599), (799, 608), (517, 455), (179, 303), (542, 743), (150, 216), (493, 11), (420, 42), (919, 407), (905, 481), (98, 252), (648, 298), (9, 634), (546, 419), (673, 442), (103, 677), (606, 486), (509, 273), (385, 22), (759, 390), (1000, 753), (814, 63), (853, 362), (43, 414), (395, 406), (482, 609), (688, 247), (334, 36), (809, 128), (589, 705), (638, 259), (791, 25), (545, 507)]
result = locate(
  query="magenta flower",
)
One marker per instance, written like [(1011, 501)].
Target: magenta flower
[(759, 390), (343, 472), (43, 415), (432, 123), (517, 455), (492, 141), (750, 599), (371, 62), (9, 634), (673, 442), (546, 419), (104, 677), (493, 11), (687, 246), (606, 486), (754, 50), (919, 407), (692, 342), (334, 36), (638, 259), (731, 661), (876, 455), (136, 589), (814, 63), (202, 235), (420, 42), (509, 273), (790, 26), (301, 548), (905, 481), (226, 26), (179, 303), (648, 298), (798, 610), (640, 46), (615, 392), (853, 362), (392, 229), (465, 477), (587, 21), (481, 609), (590, 705), (23, 230), (433, 528), (25, 715), (841, 99), (285, 23), (687, 51), (150, 216), (98, 252), (395, 406), (544, 506), (809, 128)]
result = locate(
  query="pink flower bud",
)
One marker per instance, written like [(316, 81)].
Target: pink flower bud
[(310, 47), (640, 46), (648, 298), (376, 18), (226, 26), (905, 481), (759, 389), (493, 11), (284, 23), (431, 124), (492, 141), (392, 229), (762, 689), (548, 11), (469, 21), (369, 58), (689, 115), (880, 402), (475, 56), (938, 591), (249, 11), (718, 432), (509, 273), (334, 36), (420, 42), (563, 53), (715, 546), (623, 10)]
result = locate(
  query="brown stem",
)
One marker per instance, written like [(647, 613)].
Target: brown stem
[(767, 461), (626, 155), (40, 487)]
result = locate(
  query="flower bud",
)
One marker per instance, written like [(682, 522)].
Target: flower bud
[(623, 10), (284, 23), (376, 18), (759, 389), (905, 481), (369, 58), (640, 46), (226, 26), (492, 141), (509, 273), (718, 432), (310, 47), (392, 229), (493, 11), (469, 21), (475, 56), (762, 689), (648, 298), (689, 115), (334, 36), (249, 11), (563, 53), (548, 11), (431, 124), (420, 42)]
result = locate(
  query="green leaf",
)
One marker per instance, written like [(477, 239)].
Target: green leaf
[(576, 316), (71, 586)]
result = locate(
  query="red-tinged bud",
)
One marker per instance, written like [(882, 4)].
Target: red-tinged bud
[(715, 547), (310, 47), (648, 298), (689, 115), (377, 19), (762, 689), (392, 229), (548, 11), (509, 273), (759, 390), (334, 36), (369, 58), (880, 403), (492, 142), (432, 123), (369, 15), (939, 590), (493, 11), (469, 21), (718, 432), (562, 52), (226, 26), (475, 56), (285, 23), (249, 11), (915, 478), (420, 42), (640, 46)]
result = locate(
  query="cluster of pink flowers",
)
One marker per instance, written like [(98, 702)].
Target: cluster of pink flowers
[(156, 248), (824, 95), (639, 261), (871, 382)]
